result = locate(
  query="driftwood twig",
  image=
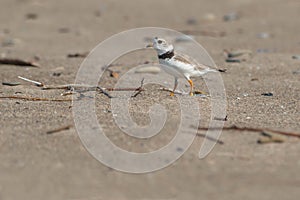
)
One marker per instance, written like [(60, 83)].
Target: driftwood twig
[(234, 127), (18, 62), (59, 129), (32, 98)]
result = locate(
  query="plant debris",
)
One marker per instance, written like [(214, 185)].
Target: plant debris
[(221, 119), (268, 137), (234, 60), (237, 55), (78, 55), (39, 84), (139, 89), (18, 62), (234, 127), (32, 98), (210, 138), (231, 16), (31, 16), (59, 129), (191, 21), (222, 70), (11, 83), (297, 57)]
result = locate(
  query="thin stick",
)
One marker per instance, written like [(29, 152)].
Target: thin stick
[(78, 55), (18, 62), (234, 127), (87, 87), (59, 129), (39, 84), (139, 89), (210, 138), (104, 92), (33, 98)]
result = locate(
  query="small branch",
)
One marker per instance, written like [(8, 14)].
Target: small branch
[(78, 55), (222, 70), (139, 89), (39, 84), (104, 92), (234, 127), (33, 98), (18, 62), (210, 138), (59, 129)]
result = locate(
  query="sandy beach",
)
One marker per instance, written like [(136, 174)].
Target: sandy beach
[(262, 91)]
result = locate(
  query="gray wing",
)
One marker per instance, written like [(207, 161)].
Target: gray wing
[(189, 60)]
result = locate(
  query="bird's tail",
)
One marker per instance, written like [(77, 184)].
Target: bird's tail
[(205, 71)]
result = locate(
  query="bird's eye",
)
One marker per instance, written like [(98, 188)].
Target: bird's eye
[(159, 41)]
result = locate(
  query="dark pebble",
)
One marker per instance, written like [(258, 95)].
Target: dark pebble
[(179, 149), (297, 57), (56, 74), (31, 16), (64, 30), (191, 21), (233, 60), (268, 94), (231, 16)]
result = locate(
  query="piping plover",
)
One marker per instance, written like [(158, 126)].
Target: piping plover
[(180, 66)]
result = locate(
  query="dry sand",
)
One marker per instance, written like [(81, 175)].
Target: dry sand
[(36, 165)]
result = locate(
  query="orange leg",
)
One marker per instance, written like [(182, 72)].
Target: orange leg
[(192, 87)]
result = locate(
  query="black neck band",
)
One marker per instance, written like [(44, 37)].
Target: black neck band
[(168, 54)]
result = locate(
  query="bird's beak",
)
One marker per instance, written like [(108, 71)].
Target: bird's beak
[(149, 46)]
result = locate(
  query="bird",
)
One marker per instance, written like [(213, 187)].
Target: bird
[(177, 65)]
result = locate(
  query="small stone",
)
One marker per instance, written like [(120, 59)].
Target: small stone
[(297, 57), (31, 16), (98, 13), (268, 94), (179, 149), (191, 21), (209, 17), (8, 42), (263, 35), (56, 74), (231, 16), (237, 53), (233, 60), (296, 72), (64, 30)]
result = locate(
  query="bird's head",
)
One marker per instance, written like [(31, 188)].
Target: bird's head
[(161, 46)]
